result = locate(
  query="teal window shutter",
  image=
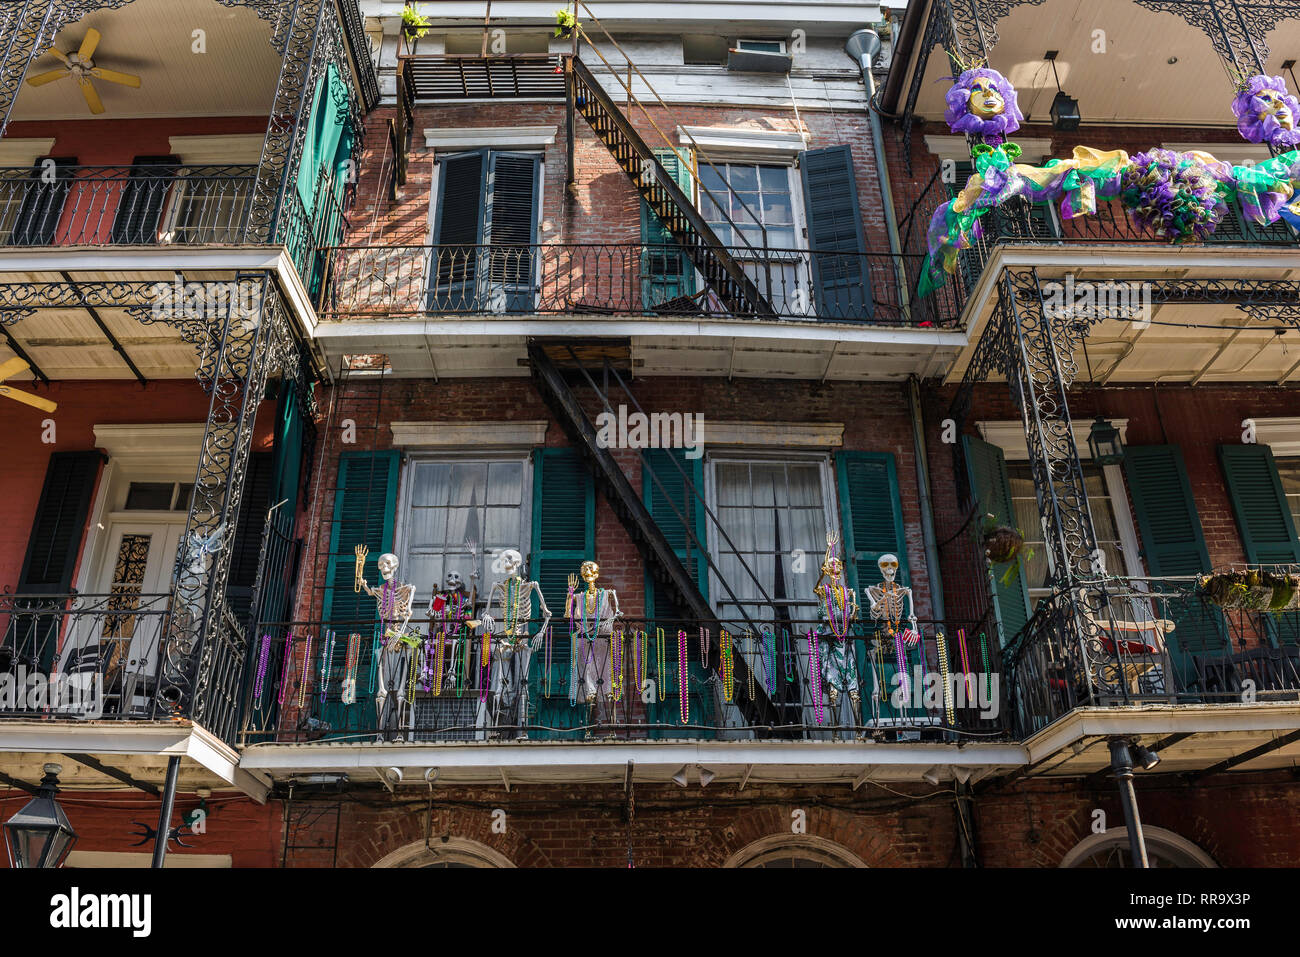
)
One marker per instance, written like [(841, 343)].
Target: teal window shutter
[(871, 515), (842, 276), (666, 273), (1263, 516), (563, 537), (1173, 543), (673, 505), (324, 136), (987, 468)]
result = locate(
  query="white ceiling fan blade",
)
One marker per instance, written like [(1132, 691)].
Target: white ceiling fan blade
[(42, 78), (26, 398), (113, 76), (92, 98), (11, 367), (89, 44)]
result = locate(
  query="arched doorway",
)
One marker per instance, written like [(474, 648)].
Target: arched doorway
[(1164, 849), (454, 852), (782, 851)]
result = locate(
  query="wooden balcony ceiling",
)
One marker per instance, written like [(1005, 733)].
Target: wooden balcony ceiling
[(154, 39), (1131, 82), (453, 77)]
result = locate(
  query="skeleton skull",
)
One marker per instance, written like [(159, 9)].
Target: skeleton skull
[(455, 582), (589, 571), (512, 562), (387, 564), (888, 567)]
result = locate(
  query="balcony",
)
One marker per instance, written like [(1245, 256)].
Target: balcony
[(1149, 642), (616, 279), (296, 696), (83, 657)]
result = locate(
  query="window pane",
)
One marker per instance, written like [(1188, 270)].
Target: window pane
[(743, 178), (150, 496)]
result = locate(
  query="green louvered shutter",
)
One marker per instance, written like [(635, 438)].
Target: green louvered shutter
[(988, 478), (841, 274), (365, 505), (669, 501), (666, 273), (564, 536), (1172, 541), (1263, 516)]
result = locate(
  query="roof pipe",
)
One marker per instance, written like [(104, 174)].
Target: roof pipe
[(863, 46)]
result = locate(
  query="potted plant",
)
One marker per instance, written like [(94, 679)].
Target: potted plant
[(415, 25), (1004, 544)]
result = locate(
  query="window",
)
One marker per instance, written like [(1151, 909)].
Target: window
[(1111, 849), (1288, 470), (769, 508), (485, 228), (1029, 521), (456, 504), (761, 46), (751, 207), (159, 497)]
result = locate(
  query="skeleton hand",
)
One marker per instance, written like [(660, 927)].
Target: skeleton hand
[(488, 624)]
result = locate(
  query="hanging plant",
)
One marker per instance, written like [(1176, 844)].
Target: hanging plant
[(1004, 544), (1250, 590), (565, 23), (415, 26)]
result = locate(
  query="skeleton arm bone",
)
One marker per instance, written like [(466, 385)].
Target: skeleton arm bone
[(546, 615)]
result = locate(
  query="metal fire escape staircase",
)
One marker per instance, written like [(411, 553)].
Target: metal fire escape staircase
[(554, 365), (719, 269)]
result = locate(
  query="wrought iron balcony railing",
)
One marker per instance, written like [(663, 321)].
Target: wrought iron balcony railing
[(623, 279), (1147, 641), (141, 204), (317, 681), (99, 657)]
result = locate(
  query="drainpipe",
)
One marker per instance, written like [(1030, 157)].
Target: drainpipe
[(863, 45), (927, 507), (1121, 762)]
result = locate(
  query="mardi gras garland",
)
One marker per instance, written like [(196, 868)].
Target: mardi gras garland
[(1178, 197)]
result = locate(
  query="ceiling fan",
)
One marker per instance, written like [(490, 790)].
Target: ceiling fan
[(82, 67), (12, 367)]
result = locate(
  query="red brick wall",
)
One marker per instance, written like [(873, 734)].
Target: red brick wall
[(82, 406), (604, 206), (1239, 823), (875, 417)]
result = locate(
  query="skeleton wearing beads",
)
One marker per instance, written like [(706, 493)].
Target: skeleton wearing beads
[(397, 646), (512, 648), (837, 609), (592, 613), (449, 610)]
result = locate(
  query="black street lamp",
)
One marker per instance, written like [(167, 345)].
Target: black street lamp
[(1065, 108), (40, 835), (1104, 442)]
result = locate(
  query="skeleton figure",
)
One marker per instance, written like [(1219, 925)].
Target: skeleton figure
[(449, 610), (888, 601), (397, 644), (512, 649), (838, 609), (592, 614)]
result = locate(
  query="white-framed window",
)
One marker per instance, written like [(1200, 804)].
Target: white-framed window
[(1107, 498), (756, 209), (760, 46), (1288, 470), (452, 503), (775, 508)]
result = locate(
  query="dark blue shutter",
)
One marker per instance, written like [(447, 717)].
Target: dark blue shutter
[(841, 274), (458, 232), (41, 209), (988, 480), (514, 181), (141, 204)]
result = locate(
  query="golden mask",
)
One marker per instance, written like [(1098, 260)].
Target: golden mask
[(1276, 107), (985, 101)]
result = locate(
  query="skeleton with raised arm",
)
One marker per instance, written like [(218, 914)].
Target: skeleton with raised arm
[(397, 645), (512, 647), (837, 608), (592, 613)]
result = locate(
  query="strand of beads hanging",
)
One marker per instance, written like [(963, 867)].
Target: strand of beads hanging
[(284, 669), (439, 660), (326, 660), (512, 597), (387, 599), (259, 686), (965, 652), (988, 675), (485, 664), (749, 661), (728, 669), (835, 598), (660, 674), (704, 647), (683, 676), (348, 693), (769, 661), (616, 655), (414, 675), (815, 675), (942, 644), (901, 659), (304, 673)]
